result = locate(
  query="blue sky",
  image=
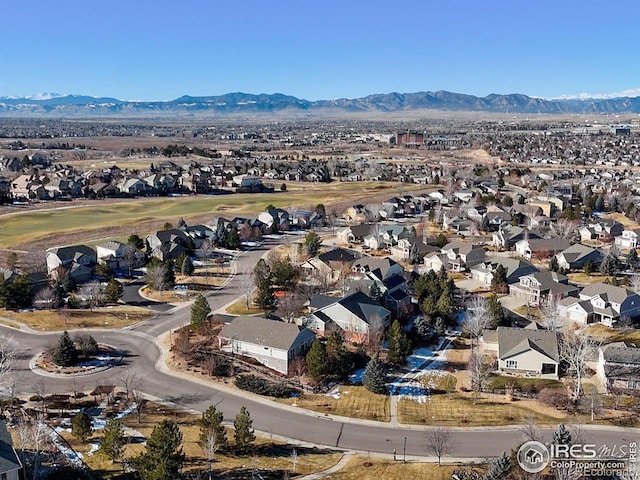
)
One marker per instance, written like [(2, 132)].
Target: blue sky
[(320, 49)]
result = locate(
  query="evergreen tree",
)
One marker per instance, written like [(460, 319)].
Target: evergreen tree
[(375, 377), (561, 436), (423, 328), (414, 254), (339, 358), (399, 344), (317, 359), (19, 293), (632, 259), (441, 240), (162, 458), (233, 239), (113, 291), (65, 353), (169, 277), (610, 264), (312, 243), (599, 205), (211, 421), (499, 280), (135, 241), (496, 311), (283, 274), (187, 268), (440, 327), (553, 264), (375, 293), (588, 267), (112, 443), (445, 305), (81, 426), (244, 434), (428, 306), (199, 312), (499, 467)]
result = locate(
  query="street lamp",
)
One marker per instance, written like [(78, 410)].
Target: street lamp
[(404, 451)]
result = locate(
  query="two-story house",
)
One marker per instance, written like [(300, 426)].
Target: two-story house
[(630, 238), (575, 256), (600, 302), (536, 287)]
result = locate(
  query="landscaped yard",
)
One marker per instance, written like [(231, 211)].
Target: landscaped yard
[(54, 320), (347, 401), (583, 278), (270, 455), (459, 411), (363, 468), (240, 308)]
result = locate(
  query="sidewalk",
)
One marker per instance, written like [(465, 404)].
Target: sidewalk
[(336, 468)]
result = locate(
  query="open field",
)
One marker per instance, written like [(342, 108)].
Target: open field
[(354, 401), (58, 320), (102, 220), (362, 468), (270, 455)]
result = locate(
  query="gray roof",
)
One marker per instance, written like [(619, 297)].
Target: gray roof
[(621, 352), (8, 459), (511, 265), (320, 301), (264, 332), (363, 306), (378, 266), (613, 293), (68, 254), (548, 244), (513, 341)]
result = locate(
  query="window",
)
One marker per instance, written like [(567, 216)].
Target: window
[(512, 364), (548, 368), (632, 384)]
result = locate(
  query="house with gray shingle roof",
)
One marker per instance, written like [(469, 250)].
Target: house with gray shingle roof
[(537, 287), (352, 314), (600, 302), (515, 268), (271, 342), (78, 260), (619, 366), (523, 351), (577, 255), (10, 465), (541, 247)]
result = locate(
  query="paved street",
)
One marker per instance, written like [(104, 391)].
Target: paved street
[(142, 351)]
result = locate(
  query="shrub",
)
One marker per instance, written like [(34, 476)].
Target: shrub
[(554, 397), (260, 386)]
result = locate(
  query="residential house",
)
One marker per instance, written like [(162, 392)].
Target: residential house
[(353, 314), (331, 264), (355, 233), (271, 342), (119, 255), (628, 239), (524, 351), (10, 465), (276, 219), (509, 235), (461, 256), (619, 366), (541, 248), (600, 302), (402, 251), (515, 268), (604, 230), (537, 287), (575, 256), (78, 260), (134, 187), (376, 268), (168, 244)]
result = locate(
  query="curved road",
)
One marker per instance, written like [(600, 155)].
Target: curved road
[(141, 350)]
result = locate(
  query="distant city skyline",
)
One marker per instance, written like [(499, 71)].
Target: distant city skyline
[(159, 50)]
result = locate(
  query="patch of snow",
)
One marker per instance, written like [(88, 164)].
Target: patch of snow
[(357, 376), (94, 448), (335, 393)]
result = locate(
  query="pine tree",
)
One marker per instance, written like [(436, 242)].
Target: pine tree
[(610, 265), (162, 458), (499, 467), (211, 421), (113, 291), (312, 242), (187, 268), (632, 259), (499, 280), (317, 359), (135, 241), (440, 327), (414, 254), (445, 305), (339, 359), (233, 239), (496, 310), (169, 277), (588, 267), (199, 311), (375, 293), (599, 205), (399, 344), (112, 443), (424, 328), (244, 434), (375, 377), (561, 436), (553, 264), (81, 426), (65, 353), (441, 240)]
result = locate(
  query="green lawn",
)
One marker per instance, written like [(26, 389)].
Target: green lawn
[(24, 227)]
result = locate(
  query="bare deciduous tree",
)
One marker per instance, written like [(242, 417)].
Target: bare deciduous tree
[(7, 359), (294, 459), (130, 380), (246, 282), (210, 447), (530, 430), (35, 261), (375, 335), (207, 247), (575, 351), (550, 317), (298, 366), (290, 306), (138, 397), (439, 442), (480, 367), (476, 318), (635, 283)]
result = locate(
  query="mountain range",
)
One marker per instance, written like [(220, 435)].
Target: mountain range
[(81, 106)]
